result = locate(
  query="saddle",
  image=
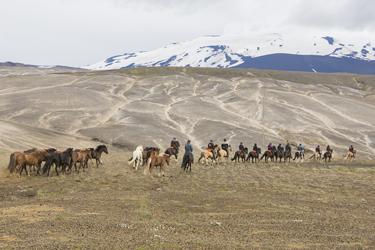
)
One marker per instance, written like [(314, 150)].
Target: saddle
[(209, 150), (171, 147), (300, 151), (254, 151), (269, 150)]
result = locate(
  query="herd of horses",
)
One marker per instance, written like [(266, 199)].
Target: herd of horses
[(60, 159), (153, 158), (65, 160)]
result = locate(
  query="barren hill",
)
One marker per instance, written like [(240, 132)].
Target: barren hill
[(149, 106)]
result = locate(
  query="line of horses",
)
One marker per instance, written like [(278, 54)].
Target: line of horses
[(60, 159)]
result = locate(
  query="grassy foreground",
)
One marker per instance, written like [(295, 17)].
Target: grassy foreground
[(305, 205)]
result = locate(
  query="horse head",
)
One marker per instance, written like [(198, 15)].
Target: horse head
[(230, 148)]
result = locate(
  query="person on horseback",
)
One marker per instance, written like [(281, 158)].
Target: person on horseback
[(300, 148), (328, 149), (224, 146), (288, 148), (255, 148), (351, 149), (279, 148), (175, 144), (241, 147), (189, 149), (211, 147), (317, 150), (270, 147)]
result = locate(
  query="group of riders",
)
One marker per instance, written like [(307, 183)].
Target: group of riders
[(241, 147)]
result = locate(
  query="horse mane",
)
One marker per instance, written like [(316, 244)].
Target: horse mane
[(100, 146), (140, 147)]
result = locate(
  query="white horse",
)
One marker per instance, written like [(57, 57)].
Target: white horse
[(136, 160)]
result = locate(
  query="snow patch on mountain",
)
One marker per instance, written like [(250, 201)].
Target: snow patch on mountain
[(232, 50)]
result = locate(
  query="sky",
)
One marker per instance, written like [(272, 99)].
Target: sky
[(81, 32)]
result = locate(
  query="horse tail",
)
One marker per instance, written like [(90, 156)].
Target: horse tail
[(200, 157), (10, 161), (184, 161), (262, 156), (132, 160), (145, 172)]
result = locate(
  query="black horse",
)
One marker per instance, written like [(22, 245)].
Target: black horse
[(254, 155), (240, 154), (59, 159), (267, 154), (186, 162), (173, 150)]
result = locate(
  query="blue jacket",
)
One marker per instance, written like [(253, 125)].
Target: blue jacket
[(300, 148), (188, 148)]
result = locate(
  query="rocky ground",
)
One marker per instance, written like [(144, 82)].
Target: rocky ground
[(299, 205)]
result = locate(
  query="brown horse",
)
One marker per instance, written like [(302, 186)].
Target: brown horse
[(154, 161), (223, 154), (97, 153), (287, 155), (28, 159), (254, 155), (266, 155), (298, 155), (148, 152), (208, 154), (240, 154), (317, 155), (351, 155), (327, 155), (82, 157)]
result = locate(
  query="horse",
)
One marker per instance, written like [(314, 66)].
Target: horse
[(97, 153), (148, 152), (223, 153), (240, 154), (298, 155), (136, 160), (351, 155), (187, 160), (267, 154), (254, 155), (287, 155), (327, 155), (208, 154), (159, 160), (279, 154), (173, 150), (59, 159), (28, 159), (316, 155), (82, 157)]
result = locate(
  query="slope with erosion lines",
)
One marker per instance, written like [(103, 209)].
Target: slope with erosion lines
[(150, 106)]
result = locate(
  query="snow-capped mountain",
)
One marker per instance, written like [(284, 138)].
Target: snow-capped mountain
[(283, 50)]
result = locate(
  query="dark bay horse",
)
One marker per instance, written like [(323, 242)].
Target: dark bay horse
[(97, 153), (267, 154), (240, 155), (59, 159), (186, 162), (298, 155), (148, 152), (328, 155), (254, 155), (279, 154), (172, 150), (287, 155)]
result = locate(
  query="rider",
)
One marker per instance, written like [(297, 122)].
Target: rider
[(255, 148), (351, 149), (224, 146), (241, 147), (300, 148), (279, 148), (270, 148), (317, 149), (328, 149), (211, 147), (175, 144), (189, 149), (288, 148)]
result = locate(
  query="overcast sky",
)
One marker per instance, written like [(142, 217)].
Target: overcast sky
[(82, 32)]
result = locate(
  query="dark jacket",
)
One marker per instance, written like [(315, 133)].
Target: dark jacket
[(210, 145), (255, 148), (241, 147), (224, 146), (288, 148)]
